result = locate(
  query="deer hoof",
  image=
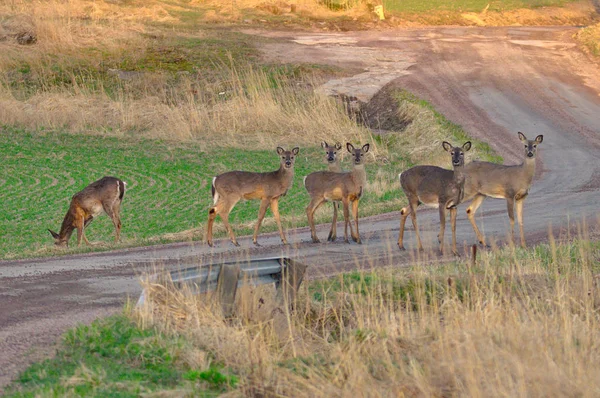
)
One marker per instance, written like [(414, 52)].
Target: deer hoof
[(284, 242), (331, 238), (455, 253), (401, 247), (346, 240), (316, 240), (236, 244), (256, 243), (210, 243)]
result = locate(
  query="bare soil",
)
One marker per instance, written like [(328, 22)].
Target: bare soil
[(492, 81)]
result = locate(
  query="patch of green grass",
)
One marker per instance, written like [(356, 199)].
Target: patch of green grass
[(423, 6), (114, 357), (168, 188), (449, 129)]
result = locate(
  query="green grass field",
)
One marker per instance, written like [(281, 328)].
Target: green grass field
[(420, 6), (168, 187)]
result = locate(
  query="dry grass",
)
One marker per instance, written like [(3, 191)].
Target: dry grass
[(518, 323), (589, 37)]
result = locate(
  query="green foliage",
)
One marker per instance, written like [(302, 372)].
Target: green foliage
[(113, 357), (422, 6), (168, 187)]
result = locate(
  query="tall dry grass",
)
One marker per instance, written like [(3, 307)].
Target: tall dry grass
[(63, 81), (517, 323)]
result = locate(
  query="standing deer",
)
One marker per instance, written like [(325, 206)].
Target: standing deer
[(106, 195), (333, 165), (345, 187), (503, 182), (435, 187), (229, 188)]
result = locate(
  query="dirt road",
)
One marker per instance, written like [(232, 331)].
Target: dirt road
[(492, 81)]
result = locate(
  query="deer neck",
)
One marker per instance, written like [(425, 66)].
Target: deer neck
[(67, 228), (286, 175), (334, 167), (528, 167), (360, 174), (459, 174)]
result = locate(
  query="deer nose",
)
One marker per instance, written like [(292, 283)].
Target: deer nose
[(288, 163), (330, 159), (529, 154)]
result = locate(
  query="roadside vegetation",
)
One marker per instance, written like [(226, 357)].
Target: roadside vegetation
[(589, 37), (517, 322)]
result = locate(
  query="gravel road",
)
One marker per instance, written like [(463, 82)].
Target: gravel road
[(492, 81)]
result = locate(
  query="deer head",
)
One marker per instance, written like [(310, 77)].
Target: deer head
[(357, 154), (530, 145), (457, 152), (331, 151), (287, 157)]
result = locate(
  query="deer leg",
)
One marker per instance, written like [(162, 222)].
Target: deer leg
[(519, 206), (333, 232), (113, 213), (264, 204), (442, 209), (275, 210), (413, 217), (510, 206), (403, 216), (310, 213), (346, 219), (475, 203), (453, 212), (80, 226), (222, 209), (85, 224), (355, 215)]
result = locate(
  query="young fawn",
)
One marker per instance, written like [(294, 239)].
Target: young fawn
[(333, 165), (435, 187), (504, 182), (346, 187), (229, 188), (106, 195)]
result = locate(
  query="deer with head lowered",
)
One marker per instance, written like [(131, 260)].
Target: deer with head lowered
[(435, 187), (106, 195), (229, 188), (512, 183), (346, 187), (333, 165)]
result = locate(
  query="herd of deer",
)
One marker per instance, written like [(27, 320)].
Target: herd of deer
[(429, 185)]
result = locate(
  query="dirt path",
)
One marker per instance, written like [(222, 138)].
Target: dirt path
[(492, 81)]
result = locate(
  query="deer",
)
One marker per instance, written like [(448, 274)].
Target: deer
[(510, 182), (434, 187), (347, 187), (104, 195), (231, 187), (333, 165)]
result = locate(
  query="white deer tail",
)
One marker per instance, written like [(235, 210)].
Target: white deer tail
[(215, 194)]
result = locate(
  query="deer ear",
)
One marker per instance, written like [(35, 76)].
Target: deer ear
[(295, 150), (54, 234), (280, 150), (447, 146), (539, 139), (466, 146), (366, 147), (349, 147), (323, 144), (338, 146), (522, 136)]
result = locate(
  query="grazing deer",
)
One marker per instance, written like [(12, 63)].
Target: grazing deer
[(106, 195), (229, 188), (333, 165), (345, 187), (512, 183), (435, 187)]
